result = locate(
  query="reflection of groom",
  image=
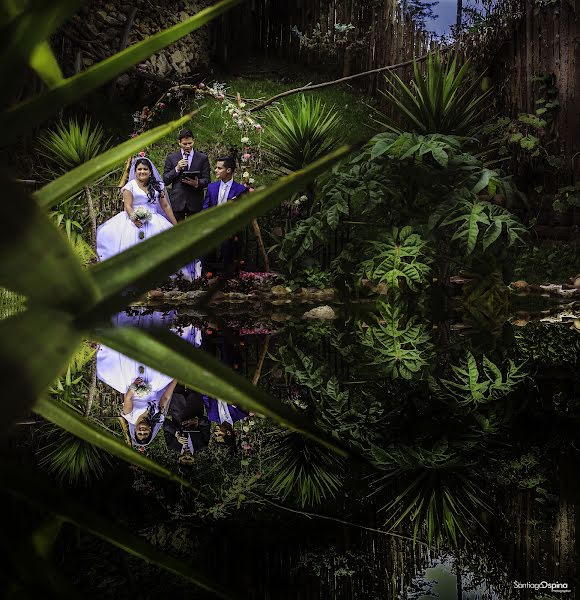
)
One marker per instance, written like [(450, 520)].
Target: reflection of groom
[(186, 195)]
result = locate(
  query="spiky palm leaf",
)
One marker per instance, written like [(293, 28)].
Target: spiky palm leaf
[(302, 470), (442, 100), (301, 135)]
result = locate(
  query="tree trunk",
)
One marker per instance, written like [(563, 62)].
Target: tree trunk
[(92, 217)]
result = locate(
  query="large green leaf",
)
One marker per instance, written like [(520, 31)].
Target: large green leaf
[(26, 25), (35, 258), (34, 488), (36, 110), (168, 353), (65, 186), (43, 61), (149, 262), (68, 419), (34, 348)]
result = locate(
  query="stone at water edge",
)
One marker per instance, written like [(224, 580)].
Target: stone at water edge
[(577, 282), (280, 290), (320, 312), (520, 286)]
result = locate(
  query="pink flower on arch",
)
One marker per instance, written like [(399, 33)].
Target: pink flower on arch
[(142, 153), (258, 127), (201, 85), (246, 156)]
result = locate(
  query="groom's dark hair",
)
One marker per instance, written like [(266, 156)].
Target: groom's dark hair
[(229, 162), (184, 133)]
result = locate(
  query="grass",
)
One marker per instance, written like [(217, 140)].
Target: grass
[(215, 135)]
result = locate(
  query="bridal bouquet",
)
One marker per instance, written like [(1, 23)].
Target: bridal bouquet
[(140, 390), (143, 214)]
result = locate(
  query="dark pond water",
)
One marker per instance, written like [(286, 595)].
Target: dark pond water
[(463, 481)]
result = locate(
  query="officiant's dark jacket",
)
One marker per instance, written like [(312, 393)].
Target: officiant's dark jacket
[(182, 195), (182, 408)]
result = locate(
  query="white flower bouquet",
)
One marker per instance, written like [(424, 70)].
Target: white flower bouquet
[(142, 213)]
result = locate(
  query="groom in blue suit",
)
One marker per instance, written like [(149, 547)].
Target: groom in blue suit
[(219, 192)]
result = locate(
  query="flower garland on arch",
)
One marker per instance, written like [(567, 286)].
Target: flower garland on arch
[(235, 113)]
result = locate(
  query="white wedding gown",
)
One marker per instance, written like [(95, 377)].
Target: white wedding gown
[(119, 232)]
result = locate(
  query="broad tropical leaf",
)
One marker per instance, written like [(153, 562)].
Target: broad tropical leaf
[(36, 110), (196, 369), (77, 178), (35, 489), (67, 419), (149, 262)]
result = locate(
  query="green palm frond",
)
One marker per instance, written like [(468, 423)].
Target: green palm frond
[(441, 100), (302, 470), (301, 135)]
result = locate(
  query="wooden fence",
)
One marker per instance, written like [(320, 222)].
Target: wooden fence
[(269, 28)]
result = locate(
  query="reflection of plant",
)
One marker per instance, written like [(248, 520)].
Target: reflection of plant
[(401, 257), (472, 384), (440, 101), (440, 497), (302, 135), (547, 344), (71, 459), (300, 469), (402, 348)]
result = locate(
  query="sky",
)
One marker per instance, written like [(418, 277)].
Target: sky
[(447, 11)]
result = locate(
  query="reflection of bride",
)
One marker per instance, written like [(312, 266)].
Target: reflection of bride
[(146, 392), (140, 219)]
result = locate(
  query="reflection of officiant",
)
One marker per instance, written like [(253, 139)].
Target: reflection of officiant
[(186, 429)]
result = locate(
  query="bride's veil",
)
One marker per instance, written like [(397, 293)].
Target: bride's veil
[(154, 171)]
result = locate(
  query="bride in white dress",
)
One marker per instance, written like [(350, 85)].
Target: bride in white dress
[(140, 219)]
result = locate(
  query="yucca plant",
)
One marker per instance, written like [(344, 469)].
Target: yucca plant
[(402, 257), (302, 134), (71, 144), (301, 470), (69, 458), (442, 100), (67, 146)]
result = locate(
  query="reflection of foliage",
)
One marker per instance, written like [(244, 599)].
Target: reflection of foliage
[(302, 469), (438, 496), (442, 100), (401, 257), (548, 344), (302, 135), (403, 348), (472, 384), (71, 459)]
